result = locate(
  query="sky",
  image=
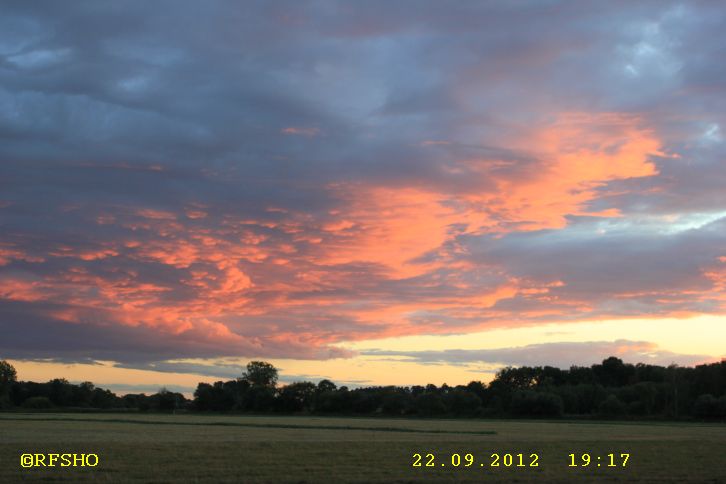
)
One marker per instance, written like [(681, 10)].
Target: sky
[(373, 192)]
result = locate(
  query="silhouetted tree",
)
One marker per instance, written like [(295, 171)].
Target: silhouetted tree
[(325, 386), (528, 403), (430, 404), (165, 400), (261, 374), (462, 402), (610, 389), (333, 401), (612, 407), (296, 397), (61, 392), (709, 407), (395, 401), (8, 376), (213, 397), (82, 395), (38, 403), (479, 389), (613, 372)]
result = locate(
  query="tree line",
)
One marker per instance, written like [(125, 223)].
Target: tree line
[(611, 389)]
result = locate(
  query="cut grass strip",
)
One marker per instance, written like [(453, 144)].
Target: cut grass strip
[(255, 425)]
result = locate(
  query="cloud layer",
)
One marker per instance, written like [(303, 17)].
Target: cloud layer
[(184, 180), (561, 354)]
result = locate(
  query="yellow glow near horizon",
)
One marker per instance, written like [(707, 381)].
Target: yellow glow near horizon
[(704, 336), (101, 374)]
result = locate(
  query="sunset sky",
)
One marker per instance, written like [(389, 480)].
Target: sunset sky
[(378, 192)]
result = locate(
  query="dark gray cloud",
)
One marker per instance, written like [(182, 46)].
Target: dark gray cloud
[(31, 332), (217, 370), (625, 267)]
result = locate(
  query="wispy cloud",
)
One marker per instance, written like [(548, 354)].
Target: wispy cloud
[(561, 354)]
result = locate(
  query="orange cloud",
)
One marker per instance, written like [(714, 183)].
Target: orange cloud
[(717, 274), (576, 154), (383, 260), (8, 254)]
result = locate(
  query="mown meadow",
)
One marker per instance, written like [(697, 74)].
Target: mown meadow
[(212, 448)]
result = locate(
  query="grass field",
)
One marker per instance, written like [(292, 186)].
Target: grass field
[(212, 449)]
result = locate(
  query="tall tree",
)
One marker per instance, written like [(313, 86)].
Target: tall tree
[(261, 374), (8, 376)]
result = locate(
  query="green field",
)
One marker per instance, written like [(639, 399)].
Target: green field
[(212, 449)]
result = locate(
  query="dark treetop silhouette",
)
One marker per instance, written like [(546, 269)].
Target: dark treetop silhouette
[(611, 389)]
